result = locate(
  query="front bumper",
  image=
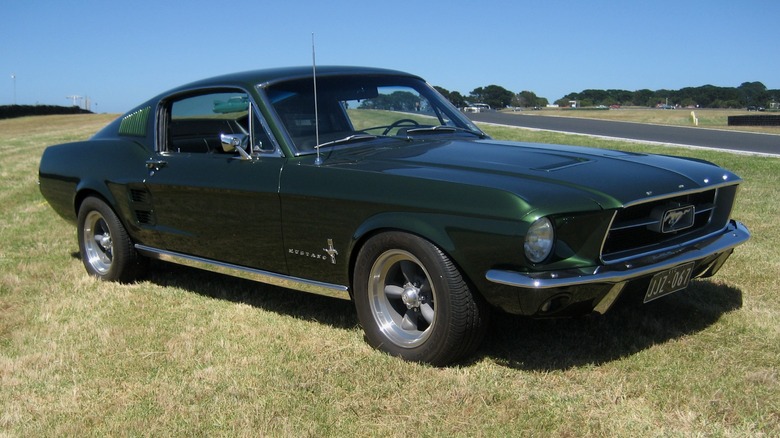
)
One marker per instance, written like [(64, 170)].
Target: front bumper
[(549, 293)]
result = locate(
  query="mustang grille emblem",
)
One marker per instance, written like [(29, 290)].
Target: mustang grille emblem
[(673, 219)]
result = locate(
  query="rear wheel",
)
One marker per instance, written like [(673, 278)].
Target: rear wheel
[(106, 249), (413, 302)]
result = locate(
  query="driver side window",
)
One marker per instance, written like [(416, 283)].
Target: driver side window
[(195, 123)]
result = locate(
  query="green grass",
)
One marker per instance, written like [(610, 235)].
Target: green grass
[(191, 353), (366, 119)]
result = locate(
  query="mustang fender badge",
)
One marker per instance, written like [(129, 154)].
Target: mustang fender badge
[(331, 251)]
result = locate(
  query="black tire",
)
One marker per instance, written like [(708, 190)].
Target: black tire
[(413, 302), (106, 249)]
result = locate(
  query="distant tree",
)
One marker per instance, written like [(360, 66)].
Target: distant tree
[(618, 97), (520, 100), (454, 97), (644, 97), (12, 111), (443, 91), (753, 93), (397, 101), (593, 97), (457, 99), (664, 97), (752, 87), (566, 100), (705, 96), (493, 95), (528, 99)]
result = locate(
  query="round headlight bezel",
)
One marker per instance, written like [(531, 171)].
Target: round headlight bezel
[(539, 241)]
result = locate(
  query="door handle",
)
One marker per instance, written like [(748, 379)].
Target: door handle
[(155, 164)]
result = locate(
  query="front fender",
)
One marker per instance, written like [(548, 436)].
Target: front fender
[(472, 243), (421, 224)]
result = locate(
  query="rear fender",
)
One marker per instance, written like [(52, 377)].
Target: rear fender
[(87, 187)]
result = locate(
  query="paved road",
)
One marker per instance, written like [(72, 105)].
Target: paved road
[(702, 137)]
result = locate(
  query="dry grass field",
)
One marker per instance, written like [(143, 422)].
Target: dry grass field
[(190, 353)]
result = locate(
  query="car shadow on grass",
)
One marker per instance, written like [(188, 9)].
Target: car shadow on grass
[(337, 313), (629, 327), (513, 341), (334, 312)]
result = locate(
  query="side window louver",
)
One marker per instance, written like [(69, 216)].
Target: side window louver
[(135, 123)]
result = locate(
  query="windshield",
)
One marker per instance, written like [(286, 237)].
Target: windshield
[(354, 109)]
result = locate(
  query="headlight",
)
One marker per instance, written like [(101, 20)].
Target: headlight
[(539, 240)]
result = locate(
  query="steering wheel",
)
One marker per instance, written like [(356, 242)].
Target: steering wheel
[(399, 123)]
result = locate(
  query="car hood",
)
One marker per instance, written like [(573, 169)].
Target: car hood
[(542, 173)]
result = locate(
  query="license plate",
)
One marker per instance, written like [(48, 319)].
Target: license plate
[(666, 282)]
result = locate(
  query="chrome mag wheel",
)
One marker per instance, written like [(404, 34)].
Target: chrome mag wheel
[(402, 298), (413, 302), (106, 248), (98, 246)]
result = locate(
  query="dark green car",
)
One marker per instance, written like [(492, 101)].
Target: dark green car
[(366, 184)]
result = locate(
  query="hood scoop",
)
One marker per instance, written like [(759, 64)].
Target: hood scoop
[(565, 163)]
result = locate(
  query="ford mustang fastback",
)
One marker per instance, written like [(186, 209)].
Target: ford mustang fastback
[(367, 184)]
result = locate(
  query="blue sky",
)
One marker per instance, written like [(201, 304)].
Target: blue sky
[(121, 53)]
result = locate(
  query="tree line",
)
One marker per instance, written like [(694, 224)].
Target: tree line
[(707, 96), (12, 111)]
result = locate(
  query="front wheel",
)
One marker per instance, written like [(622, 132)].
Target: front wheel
[(413, 302), (106, 249)]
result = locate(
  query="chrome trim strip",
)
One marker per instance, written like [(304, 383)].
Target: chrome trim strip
[(713, 186), (667, 249), (641, 223), (736, 234), (301, 284), (606, 235)]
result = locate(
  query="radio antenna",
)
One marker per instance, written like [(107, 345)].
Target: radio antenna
[(318, 161)]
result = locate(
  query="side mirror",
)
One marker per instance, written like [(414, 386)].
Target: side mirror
[(234, 143)]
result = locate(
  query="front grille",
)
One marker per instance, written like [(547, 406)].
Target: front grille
[(637, 229)]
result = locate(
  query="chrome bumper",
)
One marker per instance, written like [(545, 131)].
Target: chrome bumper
[(734, 235)]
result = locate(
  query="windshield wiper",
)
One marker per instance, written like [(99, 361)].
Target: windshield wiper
[(347, 139), (444, 129)]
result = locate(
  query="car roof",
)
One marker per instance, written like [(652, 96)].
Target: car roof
[(251, 78)]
